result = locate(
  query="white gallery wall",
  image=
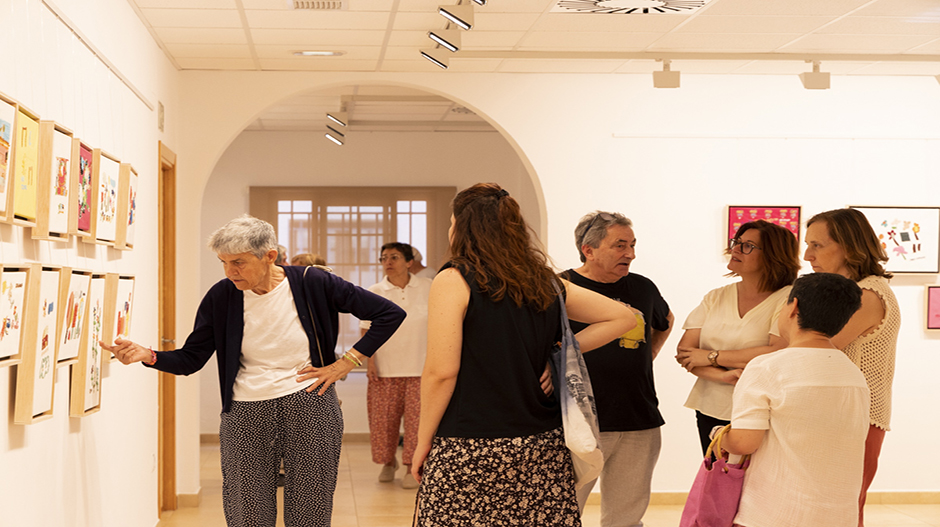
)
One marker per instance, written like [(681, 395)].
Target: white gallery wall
[(99, 470), (672, 160)]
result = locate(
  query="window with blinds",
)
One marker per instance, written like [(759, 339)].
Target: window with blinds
[(347, 226)]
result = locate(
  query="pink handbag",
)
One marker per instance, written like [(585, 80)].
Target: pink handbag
[(715, 493)]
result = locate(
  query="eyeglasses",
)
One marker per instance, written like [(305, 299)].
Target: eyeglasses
[(745, 247), (602, 215), (392, 257)]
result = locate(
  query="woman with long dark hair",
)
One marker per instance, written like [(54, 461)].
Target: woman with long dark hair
[(490, 445)]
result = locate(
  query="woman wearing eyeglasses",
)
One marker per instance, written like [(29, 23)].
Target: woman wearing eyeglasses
[(737, 322), (394, 391)]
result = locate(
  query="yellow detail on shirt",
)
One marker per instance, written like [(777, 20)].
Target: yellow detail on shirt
[(635, 336)]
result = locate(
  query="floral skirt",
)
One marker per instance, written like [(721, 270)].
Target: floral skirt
[(524, 481)]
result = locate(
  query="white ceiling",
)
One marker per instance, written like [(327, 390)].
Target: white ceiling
[(851, 37)]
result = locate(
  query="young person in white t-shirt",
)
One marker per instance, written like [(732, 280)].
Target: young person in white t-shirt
[(803, 412)]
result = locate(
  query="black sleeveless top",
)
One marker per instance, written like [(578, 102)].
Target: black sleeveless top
[(504, 352)]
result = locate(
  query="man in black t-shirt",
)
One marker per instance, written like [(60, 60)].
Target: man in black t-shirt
[(622, 370)]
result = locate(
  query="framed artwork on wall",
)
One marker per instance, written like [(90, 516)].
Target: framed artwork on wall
[(13, 282), (106, 189), (25, 168), (55, 154), (910, 237), (86, 373), (81, 195), (7, 117), (119, 307), (127, 208), (35, 375), (73, 297), (786, 217), (933, 307)]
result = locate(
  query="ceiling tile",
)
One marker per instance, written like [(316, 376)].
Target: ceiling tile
[(299, 65), (286, 52), (172, 35), (754, 24), (428, 6), (201, 18), (787, 7), (346, 20), (857, 43), (584, 22), (727, 43), (475, 65), (517, 6), (587, 41), (209, 50), (560, 66), (405, 53), (304, 38), (187, 4), (418, 21), (503, 21), (867, 25), (491, 39), (414, 38), (899, 68), (919, 9), (710, 67), (419, 65), (929, 48), (215, 64)]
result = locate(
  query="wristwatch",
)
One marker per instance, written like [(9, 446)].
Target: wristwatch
[(713, 358)]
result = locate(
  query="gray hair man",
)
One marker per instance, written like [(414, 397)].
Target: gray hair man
[(622, 370)]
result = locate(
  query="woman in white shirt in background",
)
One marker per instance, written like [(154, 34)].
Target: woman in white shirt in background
[(737, 322), (394, 391)]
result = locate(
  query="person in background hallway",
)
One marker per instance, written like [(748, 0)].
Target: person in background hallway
[(273, 330), (491, 448), (737, 322), (622, 369), (394, 391), (281, 255), (418, 268), (842, 241), (803, 412), (307, 259)]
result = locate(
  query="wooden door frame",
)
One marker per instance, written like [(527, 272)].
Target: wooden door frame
[(166, 205)]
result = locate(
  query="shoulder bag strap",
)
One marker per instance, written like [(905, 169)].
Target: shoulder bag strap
[(313, 321)]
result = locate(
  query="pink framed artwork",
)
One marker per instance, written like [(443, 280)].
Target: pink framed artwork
[(933, 307), (786, 217)]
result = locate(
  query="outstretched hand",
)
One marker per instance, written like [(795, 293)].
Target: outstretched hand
[(127, 352)]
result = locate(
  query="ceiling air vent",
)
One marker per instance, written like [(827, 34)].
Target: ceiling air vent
[(319, 5), (628, 7)]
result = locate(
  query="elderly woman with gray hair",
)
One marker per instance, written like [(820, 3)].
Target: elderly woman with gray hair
[(273, 330)]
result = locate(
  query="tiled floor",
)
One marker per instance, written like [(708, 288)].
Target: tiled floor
[(361, 501)]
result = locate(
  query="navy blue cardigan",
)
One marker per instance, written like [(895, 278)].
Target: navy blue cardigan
[(220, 322)]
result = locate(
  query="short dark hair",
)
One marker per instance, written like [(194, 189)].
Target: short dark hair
[(403, 248), (826, 302)]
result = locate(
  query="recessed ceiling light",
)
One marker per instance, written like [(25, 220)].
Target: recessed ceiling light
[(319, 53)]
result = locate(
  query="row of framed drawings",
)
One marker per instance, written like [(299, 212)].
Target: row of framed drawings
[(55, 316), (60, 186), (910, 236)]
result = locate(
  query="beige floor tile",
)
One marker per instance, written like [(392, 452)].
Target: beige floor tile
[(929, 514)]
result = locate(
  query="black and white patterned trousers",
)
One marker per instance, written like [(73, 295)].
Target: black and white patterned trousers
[(306, 430)]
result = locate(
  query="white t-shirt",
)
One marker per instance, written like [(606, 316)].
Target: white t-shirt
[(274, 347), (813, 402), (403, 354), (427, 272), (724, 329)]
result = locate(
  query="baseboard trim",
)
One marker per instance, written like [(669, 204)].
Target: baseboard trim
[(189, 500), (208, 439)]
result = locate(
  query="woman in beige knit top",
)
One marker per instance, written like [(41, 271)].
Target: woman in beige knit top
[(842, 241)]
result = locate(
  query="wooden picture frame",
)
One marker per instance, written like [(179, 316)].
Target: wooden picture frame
[(7, 120), (54, 182), (73, 297), (119, 309), (85, 397), (910, 237), (106, 188), (127, 208), (932, 303), (35, 375), (787, 217), (81, 195), (14, 282), (22, 196)]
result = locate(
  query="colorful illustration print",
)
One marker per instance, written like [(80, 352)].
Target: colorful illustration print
[(84, 189), (132, 206), (786, 217), (12, 289), (7, 112), (25, 166), (74, 319)]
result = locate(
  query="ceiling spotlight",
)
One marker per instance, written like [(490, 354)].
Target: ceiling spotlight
[(337, 140), (335, 132), (437, 56), (815, 80), (479, 2), (319, 53), (461, 15), (449, 39), (666, 78), (339, 118)]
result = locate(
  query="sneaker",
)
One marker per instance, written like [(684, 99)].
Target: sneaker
[(388, 472), (409, 481)]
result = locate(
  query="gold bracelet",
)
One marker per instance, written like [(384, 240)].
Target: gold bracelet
[(352, 358)]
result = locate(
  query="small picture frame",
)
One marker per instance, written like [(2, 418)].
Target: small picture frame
[(85, 396), (119, 308), (54, 182), (73, 298), (910, 237), (106, 189), (82, 195), (14, 281), (7, 120), (127, 208), (933, 307), (787, 217), (35, 375), (22, 199)]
